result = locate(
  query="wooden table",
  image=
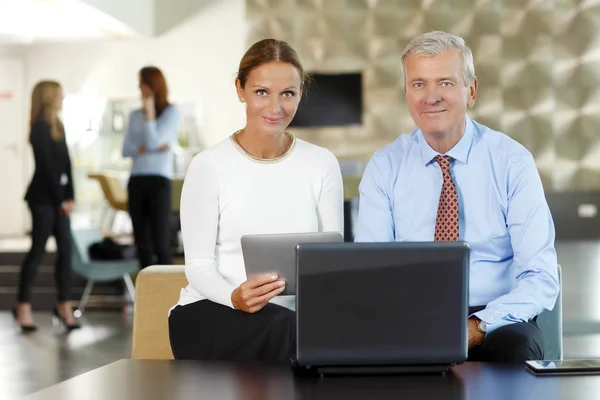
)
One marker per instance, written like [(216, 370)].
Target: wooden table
[(154, 379)]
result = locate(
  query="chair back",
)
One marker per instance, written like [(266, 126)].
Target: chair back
[(157, 289), (116, 192), (550, 324)]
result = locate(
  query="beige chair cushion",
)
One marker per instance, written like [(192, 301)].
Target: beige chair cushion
[(157, 289)]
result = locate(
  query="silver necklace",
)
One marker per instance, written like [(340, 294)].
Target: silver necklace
[(239, 148)]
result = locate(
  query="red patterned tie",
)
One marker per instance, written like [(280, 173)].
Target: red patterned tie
[(446, 223)]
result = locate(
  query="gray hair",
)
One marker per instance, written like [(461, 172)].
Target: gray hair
[(435, 43)]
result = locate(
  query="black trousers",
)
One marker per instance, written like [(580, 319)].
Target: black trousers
[(205, 330), (514, 343), (150, 211), (47, 220)]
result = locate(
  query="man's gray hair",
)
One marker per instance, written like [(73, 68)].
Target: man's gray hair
[(435, 43)]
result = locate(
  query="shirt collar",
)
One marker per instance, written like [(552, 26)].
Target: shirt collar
[(459, 152)]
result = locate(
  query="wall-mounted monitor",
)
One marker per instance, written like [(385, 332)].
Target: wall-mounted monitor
[(332, 100)]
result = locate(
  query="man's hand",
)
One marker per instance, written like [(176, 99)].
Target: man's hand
[(141, 150), (164, 147), (252, 295), (475, 336)]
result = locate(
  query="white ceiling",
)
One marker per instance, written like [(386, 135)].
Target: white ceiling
[(33, 21)]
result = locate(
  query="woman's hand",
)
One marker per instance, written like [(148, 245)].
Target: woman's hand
[(252, 295), (67, 207), (148, 105)]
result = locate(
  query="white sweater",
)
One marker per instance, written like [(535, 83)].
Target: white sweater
[(227, 195)]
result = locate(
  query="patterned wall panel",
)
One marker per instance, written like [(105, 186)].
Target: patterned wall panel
[(537, 62)]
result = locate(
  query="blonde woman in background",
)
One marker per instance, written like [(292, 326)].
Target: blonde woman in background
[(50, 200)]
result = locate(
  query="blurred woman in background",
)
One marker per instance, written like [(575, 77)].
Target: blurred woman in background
[(50, 200), (151, 136)]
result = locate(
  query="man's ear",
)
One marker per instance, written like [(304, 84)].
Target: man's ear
[(472, 93)]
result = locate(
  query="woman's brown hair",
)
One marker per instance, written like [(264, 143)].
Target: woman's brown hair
[(154, 78), (44, 107), (266, 51)]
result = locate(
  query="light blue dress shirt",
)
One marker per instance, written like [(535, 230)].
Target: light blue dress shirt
[(152, 134), (503, 216)]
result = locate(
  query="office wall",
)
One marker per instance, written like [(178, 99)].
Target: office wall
[(538, 64)]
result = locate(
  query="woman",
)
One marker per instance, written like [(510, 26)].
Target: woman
[(50, 200), (259, 180), (151, 136)]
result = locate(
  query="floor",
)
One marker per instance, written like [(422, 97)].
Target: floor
[(33, 362), (29, 363)]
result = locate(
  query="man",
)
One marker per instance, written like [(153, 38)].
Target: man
[(454, 179)]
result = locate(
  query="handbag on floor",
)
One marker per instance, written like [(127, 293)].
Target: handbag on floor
[(108, 249)]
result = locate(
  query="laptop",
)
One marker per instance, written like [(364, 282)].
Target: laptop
[(276, 253), (382, 307)]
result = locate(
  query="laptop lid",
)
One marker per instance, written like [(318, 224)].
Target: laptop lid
[(382, 303)]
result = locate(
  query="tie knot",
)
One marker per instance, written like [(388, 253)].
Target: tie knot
[(444, 161)]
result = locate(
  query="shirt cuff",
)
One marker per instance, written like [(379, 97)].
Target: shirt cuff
[(228, 302), (491, 323)]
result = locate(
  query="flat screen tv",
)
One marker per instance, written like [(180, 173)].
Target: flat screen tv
[(332, 100)]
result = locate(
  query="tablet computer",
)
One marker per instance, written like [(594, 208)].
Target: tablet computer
[(276, 253), (564, 367)]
